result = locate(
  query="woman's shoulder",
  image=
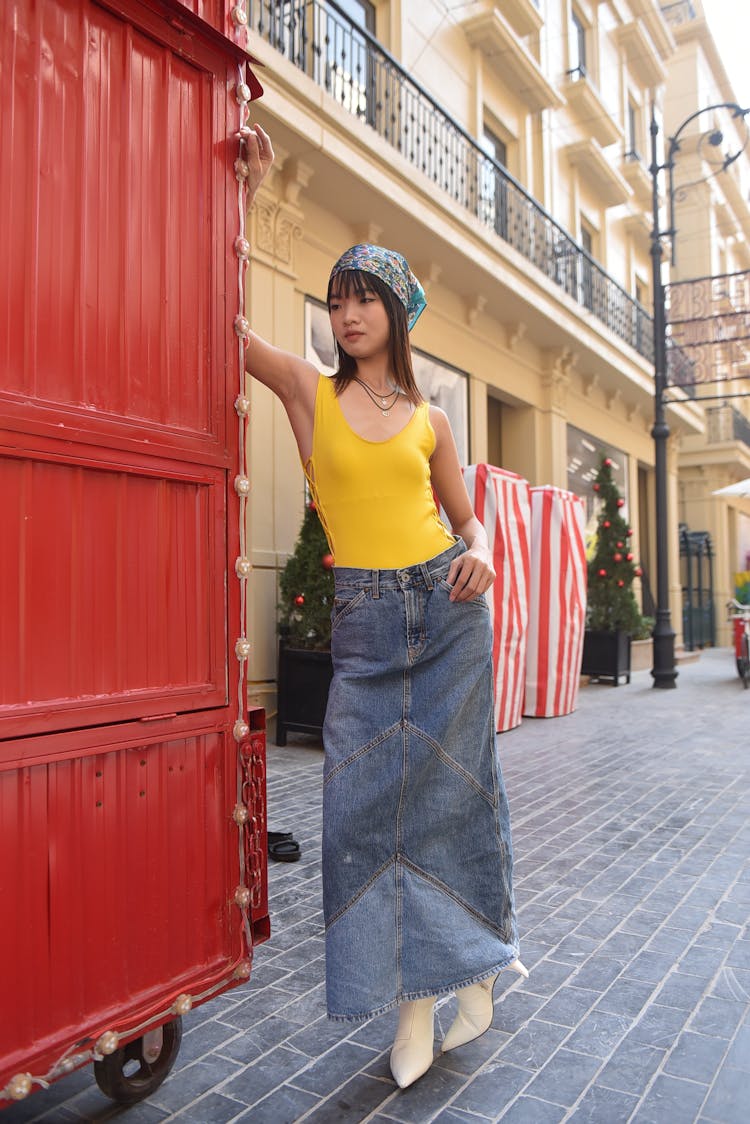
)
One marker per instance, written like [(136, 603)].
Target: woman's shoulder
[(438, 419)]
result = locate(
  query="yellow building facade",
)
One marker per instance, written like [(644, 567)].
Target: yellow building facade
[(503, 148)]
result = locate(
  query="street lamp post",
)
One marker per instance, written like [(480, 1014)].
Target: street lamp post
[(664, 672)]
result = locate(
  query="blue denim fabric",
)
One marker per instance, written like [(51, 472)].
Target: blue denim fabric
[(417, 856)]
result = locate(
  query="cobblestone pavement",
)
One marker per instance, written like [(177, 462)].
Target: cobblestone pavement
[(632, 829)]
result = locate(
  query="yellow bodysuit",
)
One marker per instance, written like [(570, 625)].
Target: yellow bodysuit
[(374, 498)]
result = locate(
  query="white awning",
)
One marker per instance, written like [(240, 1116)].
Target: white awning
[(741, 488)]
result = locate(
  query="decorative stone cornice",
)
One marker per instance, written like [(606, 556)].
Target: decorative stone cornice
[(475, 306), (296, 175), (275, 228), (367, 232), (428, 273), (556, 377), (635, 416), (516, 333), (276, 217), (614, 400), (590, 384)]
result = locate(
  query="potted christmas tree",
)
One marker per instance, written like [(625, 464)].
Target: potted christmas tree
[(305, 669), (612, 615)]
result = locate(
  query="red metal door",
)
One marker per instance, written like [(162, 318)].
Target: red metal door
[(119, 604)]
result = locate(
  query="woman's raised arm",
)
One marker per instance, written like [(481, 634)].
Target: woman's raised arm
[(290, 377)]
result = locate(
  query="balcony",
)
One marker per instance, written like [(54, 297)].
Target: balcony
[(370, 84), (639, 228), (608, 184), (642, 56), (595, 118), (726, 423), (523, 15), (513, 62)]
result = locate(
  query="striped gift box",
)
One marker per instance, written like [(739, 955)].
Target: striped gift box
[(501, 502), (557, 602)]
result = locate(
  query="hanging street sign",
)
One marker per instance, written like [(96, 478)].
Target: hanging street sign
[(708, 321)]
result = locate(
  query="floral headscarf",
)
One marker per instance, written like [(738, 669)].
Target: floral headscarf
[(392, 268)]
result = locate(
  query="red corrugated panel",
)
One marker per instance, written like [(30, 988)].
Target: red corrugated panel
[(111, 589), (119, 603), (113, 594), (110, 229), (125, 863)]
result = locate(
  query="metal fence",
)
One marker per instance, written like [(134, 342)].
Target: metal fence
[(727, 423), (345, 59), (697, 570)]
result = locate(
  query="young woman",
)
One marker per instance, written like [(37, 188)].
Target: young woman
[(417, 854)]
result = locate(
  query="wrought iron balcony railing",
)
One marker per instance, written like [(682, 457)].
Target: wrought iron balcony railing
[(348, 62), (727, 423), (741, 427)]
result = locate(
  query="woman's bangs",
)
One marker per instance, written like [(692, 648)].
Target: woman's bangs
[(351, 281)]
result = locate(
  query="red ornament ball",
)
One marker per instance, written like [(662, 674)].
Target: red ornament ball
[(607, 462), (327, 561), (621, 583), (596, 487), (638, 572), (617, 557), (299, 599), (621, 502), (620, 545), (312, 506), (629, 557), (630, 530), (606, 524), (602, 573)]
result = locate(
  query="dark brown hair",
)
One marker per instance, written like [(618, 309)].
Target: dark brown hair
[(399, 350)]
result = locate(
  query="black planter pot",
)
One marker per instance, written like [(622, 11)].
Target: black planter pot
[(303, 681), (606, 655)]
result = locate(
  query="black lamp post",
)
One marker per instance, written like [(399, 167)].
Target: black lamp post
[(664, 671)]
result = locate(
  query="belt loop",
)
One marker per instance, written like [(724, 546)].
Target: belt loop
[(376, 584), (427, 575)]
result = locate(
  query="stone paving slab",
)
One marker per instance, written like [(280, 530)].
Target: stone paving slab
[(631, 824)]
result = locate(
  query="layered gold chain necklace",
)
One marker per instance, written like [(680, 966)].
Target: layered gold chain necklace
[(384, 402)]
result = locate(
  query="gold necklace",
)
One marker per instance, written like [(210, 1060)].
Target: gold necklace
[(383, 405)]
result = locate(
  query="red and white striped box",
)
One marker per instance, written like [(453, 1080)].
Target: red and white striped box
[(557, 602), (501, 502)]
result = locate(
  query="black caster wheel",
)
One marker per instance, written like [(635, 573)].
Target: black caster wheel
[(138, 1069)]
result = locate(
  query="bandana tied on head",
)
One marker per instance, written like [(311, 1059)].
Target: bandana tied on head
[(390, 267)]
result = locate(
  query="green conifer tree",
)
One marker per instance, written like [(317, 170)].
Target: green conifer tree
[(306, 585), (611, 603)]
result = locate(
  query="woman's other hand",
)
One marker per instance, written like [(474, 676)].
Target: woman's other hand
[(259, 158), (471, 574)]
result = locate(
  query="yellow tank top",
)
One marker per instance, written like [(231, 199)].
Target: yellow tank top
[(374, 498)]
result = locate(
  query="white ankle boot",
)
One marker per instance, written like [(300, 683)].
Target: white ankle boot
[(412, 1051), (475, 1010)]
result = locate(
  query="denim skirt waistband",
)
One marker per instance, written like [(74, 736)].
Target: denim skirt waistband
[(421, 575)]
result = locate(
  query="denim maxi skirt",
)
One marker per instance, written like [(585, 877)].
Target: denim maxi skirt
[(417, 856)]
